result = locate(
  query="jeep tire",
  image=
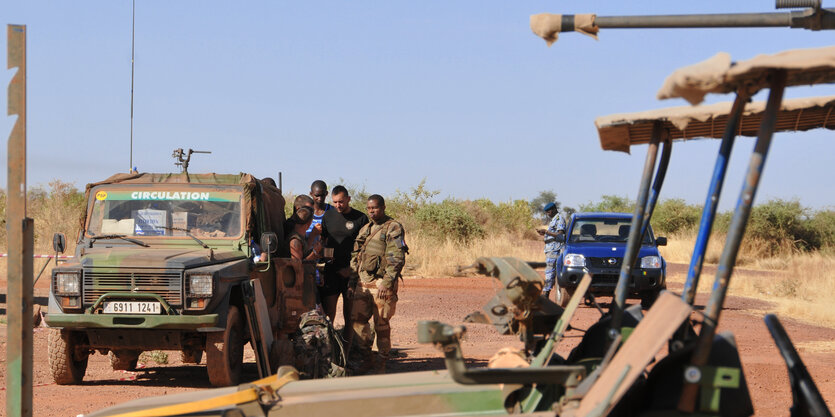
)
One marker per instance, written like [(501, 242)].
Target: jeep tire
[(225, 351), (68, 365)]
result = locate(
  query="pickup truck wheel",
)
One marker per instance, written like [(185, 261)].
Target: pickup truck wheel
[(563, 296), (225, 351), (68, 365), (648, 299), (124, 360)]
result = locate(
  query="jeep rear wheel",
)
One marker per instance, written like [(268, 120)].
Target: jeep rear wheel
[(225, 351), (67, 362)]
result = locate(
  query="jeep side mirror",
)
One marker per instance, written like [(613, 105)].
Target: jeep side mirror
[(561, 237), (269, 242), (59, 242), (661, 241)]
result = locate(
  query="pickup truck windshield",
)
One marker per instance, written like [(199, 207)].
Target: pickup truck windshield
[(604, 230), (169, 211)]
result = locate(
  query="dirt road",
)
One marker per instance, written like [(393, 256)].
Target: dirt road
[(447, 300)]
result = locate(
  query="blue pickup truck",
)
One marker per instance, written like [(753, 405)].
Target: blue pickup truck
[(595, 244)]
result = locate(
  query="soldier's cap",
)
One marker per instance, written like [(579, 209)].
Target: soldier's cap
[(549, 206)]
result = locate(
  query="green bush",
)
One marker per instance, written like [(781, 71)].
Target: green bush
[(782, 224), (673, 216), (448, 220), (58, 207), (407, 204), (610, 203), (512, 216), (823, 223)]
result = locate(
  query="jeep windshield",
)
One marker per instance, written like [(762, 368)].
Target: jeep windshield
[(165, 211), (604, 230)]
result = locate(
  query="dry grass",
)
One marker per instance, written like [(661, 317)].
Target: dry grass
[(800, 286), (816, 346), (430, 258), (751, 254)]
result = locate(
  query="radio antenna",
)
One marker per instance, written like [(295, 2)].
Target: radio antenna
[(132, 43)]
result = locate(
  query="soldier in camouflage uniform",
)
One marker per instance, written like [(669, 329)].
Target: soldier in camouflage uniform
[(378, 257)]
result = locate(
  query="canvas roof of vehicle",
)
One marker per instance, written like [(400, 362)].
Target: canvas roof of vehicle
[(618, 132), (720, 75)]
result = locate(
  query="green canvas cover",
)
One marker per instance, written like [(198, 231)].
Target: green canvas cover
[(273, 201)]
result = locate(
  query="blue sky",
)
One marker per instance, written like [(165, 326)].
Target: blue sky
[(384, 94)]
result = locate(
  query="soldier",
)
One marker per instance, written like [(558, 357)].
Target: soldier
[(340, 228), (378, 257), (553, 246)]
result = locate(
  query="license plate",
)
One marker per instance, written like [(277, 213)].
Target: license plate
[(132, 307)]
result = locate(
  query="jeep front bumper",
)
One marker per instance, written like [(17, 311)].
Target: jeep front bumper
[(132, 321)]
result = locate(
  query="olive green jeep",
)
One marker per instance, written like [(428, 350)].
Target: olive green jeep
[(169, 262)]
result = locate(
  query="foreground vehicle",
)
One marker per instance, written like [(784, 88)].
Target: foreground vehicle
[(595, 244), (171, 261)]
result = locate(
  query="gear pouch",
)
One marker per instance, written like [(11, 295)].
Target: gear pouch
[(371, 263)]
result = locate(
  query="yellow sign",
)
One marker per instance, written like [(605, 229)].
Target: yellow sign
[(101, 195)]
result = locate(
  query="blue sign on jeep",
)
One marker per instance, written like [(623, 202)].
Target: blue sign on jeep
[(595, 244)]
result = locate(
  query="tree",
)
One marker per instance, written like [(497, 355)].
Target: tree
[(538, 204)]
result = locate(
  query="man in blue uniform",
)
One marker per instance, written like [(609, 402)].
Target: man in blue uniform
[(553, 246)]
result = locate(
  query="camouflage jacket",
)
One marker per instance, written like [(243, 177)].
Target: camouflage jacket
[(383, 255)]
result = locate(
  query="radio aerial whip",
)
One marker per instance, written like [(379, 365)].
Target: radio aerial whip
[(132, 43)]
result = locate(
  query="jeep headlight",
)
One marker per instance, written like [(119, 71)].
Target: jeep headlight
[(574, 259), (68, 283), (200, 285), (651, 262)]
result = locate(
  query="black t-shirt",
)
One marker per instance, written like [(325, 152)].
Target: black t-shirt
[(341, 232)]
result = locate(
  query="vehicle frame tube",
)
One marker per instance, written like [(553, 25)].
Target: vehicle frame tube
[(633, 245), (736, 232), (712, 201)]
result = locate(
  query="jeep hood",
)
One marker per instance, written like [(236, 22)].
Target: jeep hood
[(173, 258)]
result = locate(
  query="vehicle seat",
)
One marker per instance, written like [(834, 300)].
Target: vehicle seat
[(588, 232), (623, 231)]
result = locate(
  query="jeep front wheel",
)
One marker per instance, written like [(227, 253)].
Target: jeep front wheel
[(225, 351), (67, 362)]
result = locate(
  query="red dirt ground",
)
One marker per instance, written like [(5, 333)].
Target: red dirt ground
[(447, 300)]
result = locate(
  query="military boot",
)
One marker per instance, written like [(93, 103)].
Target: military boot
[(380, 364)]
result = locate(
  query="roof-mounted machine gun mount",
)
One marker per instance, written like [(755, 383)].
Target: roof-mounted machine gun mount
[(809, 15), (183, 158)]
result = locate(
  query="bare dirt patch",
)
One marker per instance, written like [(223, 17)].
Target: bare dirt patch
[(447, 300)]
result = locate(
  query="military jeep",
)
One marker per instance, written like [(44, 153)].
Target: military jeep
[(169, 261)]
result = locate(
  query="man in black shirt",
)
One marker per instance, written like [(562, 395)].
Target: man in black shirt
[(339, 229)]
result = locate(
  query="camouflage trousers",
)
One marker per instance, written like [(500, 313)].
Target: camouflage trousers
[(550, 270), (367, 307)]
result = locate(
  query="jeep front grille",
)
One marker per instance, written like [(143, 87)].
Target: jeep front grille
[(168, 285)]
